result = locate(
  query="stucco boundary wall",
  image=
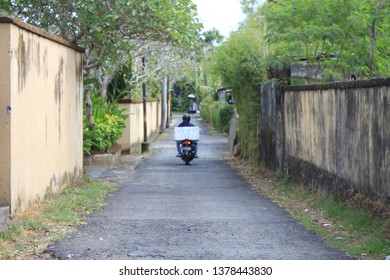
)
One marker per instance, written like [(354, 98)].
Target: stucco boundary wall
[(133, 135), (337, 138), (41, 109)]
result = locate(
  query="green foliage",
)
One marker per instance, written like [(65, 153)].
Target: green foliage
[(223, 118), (115, 32), (110, 123), (241, 58), (212, 37), (216, 115), (241, 64), (120, 86), (207, 108), (339, 42), (109, 26), (248, 133), (182, 89), (250, 7)]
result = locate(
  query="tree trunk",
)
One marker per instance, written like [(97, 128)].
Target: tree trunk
[(308, 66), (87, 89), (88, 107), (144, 102), (104, 80), (164, 103)]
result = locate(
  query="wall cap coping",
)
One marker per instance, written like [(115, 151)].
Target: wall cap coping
[(137, 101), (379, 82), (40, 32)]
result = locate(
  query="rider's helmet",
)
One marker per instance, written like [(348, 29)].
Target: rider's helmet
[(186, 118)]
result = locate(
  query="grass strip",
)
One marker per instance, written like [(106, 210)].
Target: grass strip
[(342, 224), (57, 215)]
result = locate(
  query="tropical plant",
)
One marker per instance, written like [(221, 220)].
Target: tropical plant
[(109, 122), (212, 37)]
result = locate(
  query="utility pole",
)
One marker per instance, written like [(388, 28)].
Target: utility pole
[(145, 144), (196, 85), (164, 103)]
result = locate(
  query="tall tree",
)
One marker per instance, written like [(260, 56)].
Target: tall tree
[(242, 58), (110, 30), (377, 14), (240, 62), (251, 7), (212, 37), (311, 30)]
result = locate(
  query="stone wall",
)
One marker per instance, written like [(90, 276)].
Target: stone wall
[(337, 137), (333, 137)]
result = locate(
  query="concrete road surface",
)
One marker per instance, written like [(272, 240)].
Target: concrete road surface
[(166, 210)]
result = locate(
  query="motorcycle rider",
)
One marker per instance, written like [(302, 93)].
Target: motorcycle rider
[(186, 122)]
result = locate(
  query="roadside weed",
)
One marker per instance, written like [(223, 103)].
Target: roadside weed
[(29, 233), (342, 224)]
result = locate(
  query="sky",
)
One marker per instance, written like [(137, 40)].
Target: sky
[(224, 15)]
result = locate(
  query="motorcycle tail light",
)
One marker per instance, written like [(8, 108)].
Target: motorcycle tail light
[(187, 142)]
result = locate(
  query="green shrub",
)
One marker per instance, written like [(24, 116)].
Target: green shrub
[(205, 111), (224, 115), (216, 115), (109, 125), (241, 63), (248, 130)]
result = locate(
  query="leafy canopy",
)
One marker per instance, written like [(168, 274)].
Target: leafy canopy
[(108, 29), (241, 59), (340, 41)]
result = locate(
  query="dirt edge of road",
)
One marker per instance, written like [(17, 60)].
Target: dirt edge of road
[(268, 184)]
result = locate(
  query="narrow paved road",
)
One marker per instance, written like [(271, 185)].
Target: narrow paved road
[(166, 210)]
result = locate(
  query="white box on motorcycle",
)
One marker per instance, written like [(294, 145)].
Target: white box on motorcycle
[(187, 132)]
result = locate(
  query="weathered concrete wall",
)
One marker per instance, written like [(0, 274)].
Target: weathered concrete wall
[(337, 137), (5, 117), (271, 126), (133, 135), (154, 119), (42, 136)]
